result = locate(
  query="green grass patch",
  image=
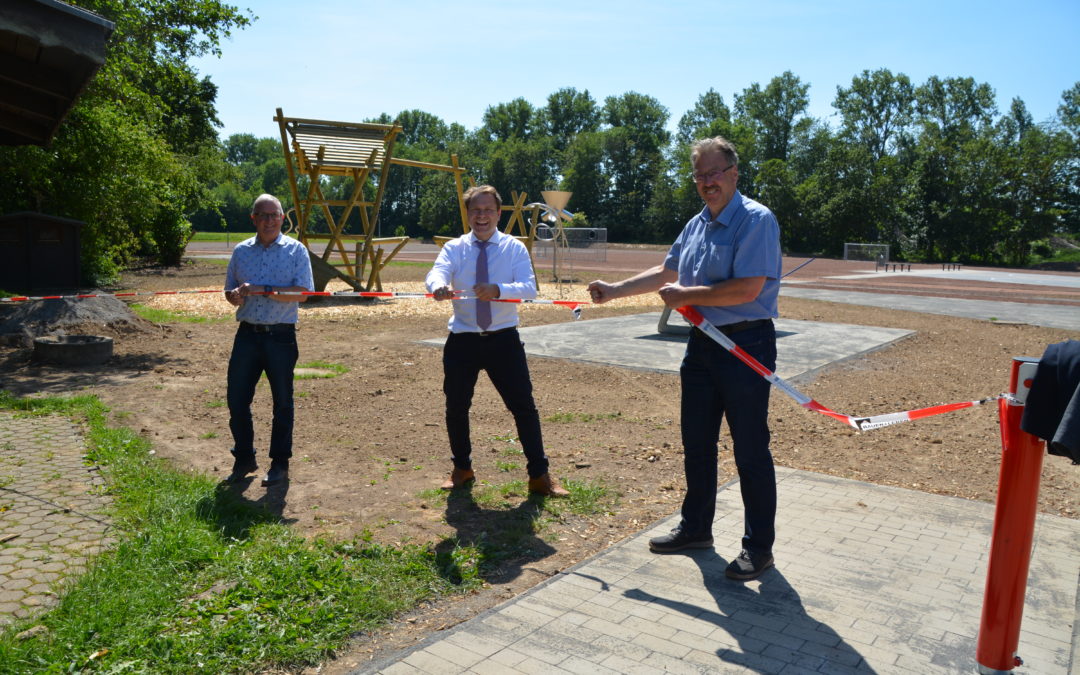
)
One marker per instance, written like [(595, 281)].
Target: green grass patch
[(567, 417), (202, 580), (501, 522), (1065, 255), (228, 236), (328, 370), (166, 316), (407, 264)]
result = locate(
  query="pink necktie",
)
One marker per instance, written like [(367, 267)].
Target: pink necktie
[(483, 307)]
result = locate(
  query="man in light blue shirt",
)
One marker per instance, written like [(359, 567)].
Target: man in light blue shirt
[(726, 263), (265, 341), (487, 264)]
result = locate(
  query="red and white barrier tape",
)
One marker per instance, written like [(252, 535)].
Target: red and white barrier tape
[(692, 315), (83, 296), (574, 306), (859, 423)]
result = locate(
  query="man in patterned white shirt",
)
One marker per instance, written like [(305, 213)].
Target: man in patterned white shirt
[(265, 341), (484, 335)]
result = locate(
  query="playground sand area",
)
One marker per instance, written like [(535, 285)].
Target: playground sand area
[(370, 443)]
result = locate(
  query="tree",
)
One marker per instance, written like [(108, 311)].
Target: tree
[(876, 108), (707, 111), (583, 174), (569, 113), (1069, 110), (1069, 117), (958, 170), (955, 108), (633, 159), (133, 152), (520, 165), (772, 112), (1017, 122), (516, 119), (422, 129)]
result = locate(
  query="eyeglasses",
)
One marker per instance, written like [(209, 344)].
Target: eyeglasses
[(266, 216), (483, 212), (711, 175)]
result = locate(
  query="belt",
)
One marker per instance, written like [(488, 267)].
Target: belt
[(732, 328), (267, 327), (486, 333)]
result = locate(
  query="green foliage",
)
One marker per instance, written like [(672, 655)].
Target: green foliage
[(201, 580), (931, 169), (505, 523), (330, 370), (772, 112), (130, 159)]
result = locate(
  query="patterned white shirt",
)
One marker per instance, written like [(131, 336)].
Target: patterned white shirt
[(283, 263)]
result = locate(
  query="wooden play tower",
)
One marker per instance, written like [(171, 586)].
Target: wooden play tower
[(364, 152)]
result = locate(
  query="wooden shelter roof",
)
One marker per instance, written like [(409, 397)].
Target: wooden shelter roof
[(345, 146), (49, 51)]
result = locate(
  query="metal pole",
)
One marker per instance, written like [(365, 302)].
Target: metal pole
[(1014, 529)]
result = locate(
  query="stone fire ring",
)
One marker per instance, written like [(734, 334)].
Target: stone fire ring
[(73, 350)]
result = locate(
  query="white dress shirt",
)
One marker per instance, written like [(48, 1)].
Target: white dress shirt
[(509, 266)]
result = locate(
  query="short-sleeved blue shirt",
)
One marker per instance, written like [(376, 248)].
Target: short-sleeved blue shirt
[(283, 263), (743, 241)]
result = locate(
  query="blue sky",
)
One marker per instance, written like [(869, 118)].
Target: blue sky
[(350, 60)]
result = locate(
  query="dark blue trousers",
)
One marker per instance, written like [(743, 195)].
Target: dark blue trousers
[(254, 353), (715, 385), (502, 355)]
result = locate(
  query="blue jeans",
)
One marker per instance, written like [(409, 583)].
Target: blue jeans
[(503, 357), (275, 353), (715, 384)]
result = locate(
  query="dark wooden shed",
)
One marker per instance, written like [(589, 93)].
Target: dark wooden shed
[(38, 252)]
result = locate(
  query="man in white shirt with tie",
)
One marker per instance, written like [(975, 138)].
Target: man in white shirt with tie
[(486, 264)]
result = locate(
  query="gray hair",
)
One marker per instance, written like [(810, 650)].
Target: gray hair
[(267, 198), (715, 144)]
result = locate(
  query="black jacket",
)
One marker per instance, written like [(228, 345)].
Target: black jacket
[(1052, 411)]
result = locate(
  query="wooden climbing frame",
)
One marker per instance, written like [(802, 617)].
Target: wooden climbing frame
[(364, 152)]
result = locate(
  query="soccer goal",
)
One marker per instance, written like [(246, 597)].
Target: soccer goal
[(878, 253)]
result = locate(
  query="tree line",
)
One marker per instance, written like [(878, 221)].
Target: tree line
[(933, 169)]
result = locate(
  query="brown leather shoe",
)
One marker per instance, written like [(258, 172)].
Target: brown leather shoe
[(547, 486), (458, 478)]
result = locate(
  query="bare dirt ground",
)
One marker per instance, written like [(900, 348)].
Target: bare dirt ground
[(370, 442)]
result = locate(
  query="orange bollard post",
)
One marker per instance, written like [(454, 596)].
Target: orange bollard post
[(1014, 529)]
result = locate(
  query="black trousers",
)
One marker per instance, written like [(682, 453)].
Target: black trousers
[(502, 355), (270, 350)]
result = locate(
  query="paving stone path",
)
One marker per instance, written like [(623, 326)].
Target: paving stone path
[(52, 511)]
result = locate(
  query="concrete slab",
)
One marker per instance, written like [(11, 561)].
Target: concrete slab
[(868, 579), (632, 341), (992, 276), (1051, 316)]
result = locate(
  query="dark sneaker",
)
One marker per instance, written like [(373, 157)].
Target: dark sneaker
[(278, 472), (679, 540), (241, 467), (748, 566)]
